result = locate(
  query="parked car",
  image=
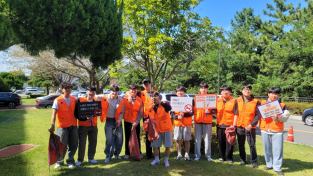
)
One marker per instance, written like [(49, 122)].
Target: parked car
[(36, 91), (167, 97), (81, 94), (46, 101), (19, 91), (307, 116), (10, 99), (106, 91)]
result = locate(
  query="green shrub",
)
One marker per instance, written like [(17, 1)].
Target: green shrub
[(4, 87), (297, 107)]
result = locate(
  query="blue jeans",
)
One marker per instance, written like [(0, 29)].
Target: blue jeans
[(273, 150), (118, 142)]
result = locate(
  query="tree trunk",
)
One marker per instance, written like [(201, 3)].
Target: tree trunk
[(47, 90)]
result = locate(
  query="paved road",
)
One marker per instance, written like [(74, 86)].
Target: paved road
[(303, 134)]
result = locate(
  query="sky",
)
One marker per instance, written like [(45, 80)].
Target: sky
[(220, 12)]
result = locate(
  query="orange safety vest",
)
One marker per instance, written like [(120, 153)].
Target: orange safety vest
[(246, 112), (65, 113), (162, 118), (185, 121), (87, 122), (269, 124), (105, 109), (131, 109), (225, 112), (200, 117), (146, 102)]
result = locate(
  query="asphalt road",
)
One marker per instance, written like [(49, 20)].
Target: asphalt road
[(302, 133)]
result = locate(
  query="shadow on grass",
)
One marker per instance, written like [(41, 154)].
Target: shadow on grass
[(12, 133)]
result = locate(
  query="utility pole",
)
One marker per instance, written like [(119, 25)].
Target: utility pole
[(219, 67)]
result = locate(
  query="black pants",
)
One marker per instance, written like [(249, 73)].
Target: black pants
[(241, 135), (226, 150), (127, 127)]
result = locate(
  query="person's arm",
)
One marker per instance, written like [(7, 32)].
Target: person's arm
[(285, 116), (121, 115), (235, 112), (53, 116), (76, 109), (167, 107), (173, 115), (140, 114), (257, 115), (188, 114)]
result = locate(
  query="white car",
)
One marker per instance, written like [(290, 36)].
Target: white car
[(36, 91)]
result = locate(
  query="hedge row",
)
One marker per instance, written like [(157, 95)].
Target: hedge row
[(298, 107)]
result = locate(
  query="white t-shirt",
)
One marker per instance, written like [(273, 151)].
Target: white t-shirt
[(55, 102)]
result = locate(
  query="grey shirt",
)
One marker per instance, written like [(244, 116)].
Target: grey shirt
[(113, 105)]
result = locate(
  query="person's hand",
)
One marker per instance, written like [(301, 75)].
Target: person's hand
[(90, 118), (134, 125), (207, 111), (274, 117), (130, 99), (52, 128), (248, 128), (180, 117), (113, 83), (118, 123)]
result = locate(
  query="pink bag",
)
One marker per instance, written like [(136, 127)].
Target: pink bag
[(231, 135), (150, 128)]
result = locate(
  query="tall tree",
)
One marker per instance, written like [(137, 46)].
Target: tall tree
[(160, 33), (72, 29)]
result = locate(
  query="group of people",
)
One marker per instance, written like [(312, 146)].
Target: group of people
[(240, 114)]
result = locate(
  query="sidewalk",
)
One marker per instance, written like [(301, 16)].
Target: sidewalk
[(294, 117)]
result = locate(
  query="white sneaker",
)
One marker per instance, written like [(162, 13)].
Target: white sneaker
[(197, 159), (107, 160), (57, 165), (71, 166), (118, 157), (167, 164), (126, 156), (78, 163), (155, 162), (209, 159), (92, 161)]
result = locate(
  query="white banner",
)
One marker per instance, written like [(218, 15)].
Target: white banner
[(268, 109), (183, 104)]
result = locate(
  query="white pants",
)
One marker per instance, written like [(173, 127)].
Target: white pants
[(206, 131)]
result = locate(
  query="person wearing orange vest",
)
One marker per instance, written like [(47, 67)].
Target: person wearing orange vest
[(63, 111), (132, 117), (246, 124), (272, 134), (88, 128), (112, 114), (203, 126), (147, 103), (159, 112), (182, 127), (227, 112)]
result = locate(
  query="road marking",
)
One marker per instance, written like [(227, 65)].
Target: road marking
[(299, 130)]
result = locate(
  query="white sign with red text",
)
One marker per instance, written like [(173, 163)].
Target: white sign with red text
[(269, 109), (181, 104)]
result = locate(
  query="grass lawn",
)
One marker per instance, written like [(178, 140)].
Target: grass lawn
[(28, 101), (30, 127)]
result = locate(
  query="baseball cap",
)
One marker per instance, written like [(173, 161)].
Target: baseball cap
[(145, 80)]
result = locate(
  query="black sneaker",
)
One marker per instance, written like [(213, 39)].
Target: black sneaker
[(148, 157), (267, 168), (179, 157), (188, 158), (279, 172), (242, 163), (254, 165)]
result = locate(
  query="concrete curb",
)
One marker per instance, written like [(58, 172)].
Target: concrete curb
[(295, 117)]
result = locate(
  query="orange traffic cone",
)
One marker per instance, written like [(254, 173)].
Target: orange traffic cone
[(290, 135)]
